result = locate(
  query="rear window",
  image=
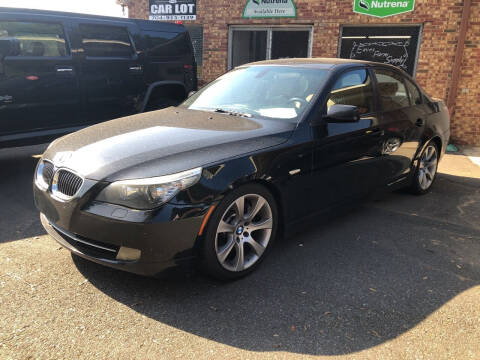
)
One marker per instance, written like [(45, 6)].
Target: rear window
[(105, 41), (36, 39)]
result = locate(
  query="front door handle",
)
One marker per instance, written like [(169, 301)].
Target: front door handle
[(419, 122), (375, 132), (136, 69)]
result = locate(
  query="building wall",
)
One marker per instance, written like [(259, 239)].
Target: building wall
[(441, 23)]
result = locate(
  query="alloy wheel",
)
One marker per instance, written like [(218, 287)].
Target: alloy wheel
[(243, 232), (428, 167)]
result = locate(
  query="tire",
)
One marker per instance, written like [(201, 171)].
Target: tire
[(232, 248), (426, 170)]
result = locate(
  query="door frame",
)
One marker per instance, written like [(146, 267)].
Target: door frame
[(269, 29)]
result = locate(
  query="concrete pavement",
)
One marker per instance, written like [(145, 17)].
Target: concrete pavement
[(397, 278)]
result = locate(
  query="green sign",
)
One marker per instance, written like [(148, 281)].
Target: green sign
[(383, 8), (269, 9)]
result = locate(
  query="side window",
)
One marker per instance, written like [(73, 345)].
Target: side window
[(105, 41), (167, 44), (391, 90), (353, 88), (36, 39), (414, 93)]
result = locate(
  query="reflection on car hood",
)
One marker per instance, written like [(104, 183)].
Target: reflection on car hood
[(163, 142)]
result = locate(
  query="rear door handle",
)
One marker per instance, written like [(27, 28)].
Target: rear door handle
[(419, 122), (65, 70)]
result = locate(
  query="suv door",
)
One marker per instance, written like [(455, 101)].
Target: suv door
[(347, 156), (402, 120), (111, 73), (38, 88)]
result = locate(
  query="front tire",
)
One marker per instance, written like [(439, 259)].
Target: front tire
[(426, 171), (240, 232)]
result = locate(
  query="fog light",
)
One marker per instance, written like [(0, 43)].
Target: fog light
[(128, 254)]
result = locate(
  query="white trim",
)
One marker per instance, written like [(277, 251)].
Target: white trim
[(269, 29)]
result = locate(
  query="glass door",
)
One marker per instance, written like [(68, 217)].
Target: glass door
[(290, 44), (248, 46)]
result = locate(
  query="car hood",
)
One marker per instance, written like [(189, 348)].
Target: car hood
[(163, 142)]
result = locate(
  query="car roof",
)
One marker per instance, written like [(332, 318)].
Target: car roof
[(321, 63), (143, 24)]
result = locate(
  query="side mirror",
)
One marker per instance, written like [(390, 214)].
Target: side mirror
[(342, 114), (9, 47)]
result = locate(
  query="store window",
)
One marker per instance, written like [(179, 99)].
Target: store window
[(389, 44), (36, 39), (105, 41), (391, 90), (262, 43)]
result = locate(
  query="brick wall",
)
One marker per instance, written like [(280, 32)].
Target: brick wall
[(440, 18)]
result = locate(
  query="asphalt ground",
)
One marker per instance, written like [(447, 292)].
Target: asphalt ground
[(395, 278)]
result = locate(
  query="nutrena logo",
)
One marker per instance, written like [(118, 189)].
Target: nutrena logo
[(269, 9), (383, 8)]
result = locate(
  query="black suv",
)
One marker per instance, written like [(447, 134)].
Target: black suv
[(61, 71)]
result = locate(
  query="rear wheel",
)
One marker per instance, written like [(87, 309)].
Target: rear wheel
[(239, 233), (426, 170), (162, 103)]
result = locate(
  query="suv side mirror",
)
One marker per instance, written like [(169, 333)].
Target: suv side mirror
[(342, 114), (9, 47)]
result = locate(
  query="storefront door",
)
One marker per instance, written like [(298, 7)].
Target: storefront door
[(247, 44)]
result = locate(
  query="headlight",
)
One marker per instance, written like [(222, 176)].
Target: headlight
[(150, 192)]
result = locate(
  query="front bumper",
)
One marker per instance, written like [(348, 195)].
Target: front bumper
[(164, 238)]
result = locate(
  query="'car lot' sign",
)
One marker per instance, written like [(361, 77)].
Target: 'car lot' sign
[(173, 10)]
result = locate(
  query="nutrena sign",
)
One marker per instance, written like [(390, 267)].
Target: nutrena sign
[(383, 8), (269, 9)]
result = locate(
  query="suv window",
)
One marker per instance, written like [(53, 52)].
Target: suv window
[(353, 88), (166, 44), (391, 90), (414, 93), (105, 41), (36, 39)]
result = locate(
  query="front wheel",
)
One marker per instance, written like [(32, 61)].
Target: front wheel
[(239, 233), (426, 170)]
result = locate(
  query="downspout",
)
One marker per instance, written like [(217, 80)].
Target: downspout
[(452, 94)]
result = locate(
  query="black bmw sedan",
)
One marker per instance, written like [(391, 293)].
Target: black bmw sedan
[(252, 154)]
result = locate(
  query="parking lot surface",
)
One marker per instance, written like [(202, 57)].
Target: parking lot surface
[(398, 277)]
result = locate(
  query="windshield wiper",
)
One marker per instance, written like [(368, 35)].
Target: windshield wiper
[(231, 112)]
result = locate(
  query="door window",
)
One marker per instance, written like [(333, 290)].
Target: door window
[(414, 93), (105, 41), (36, 39), (391, 90), (353, 88)]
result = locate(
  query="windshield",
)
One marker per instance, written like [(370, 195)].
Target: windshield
[(280, 92)]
